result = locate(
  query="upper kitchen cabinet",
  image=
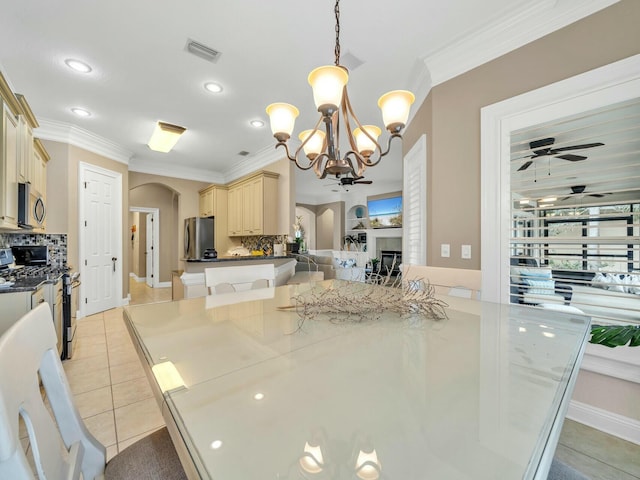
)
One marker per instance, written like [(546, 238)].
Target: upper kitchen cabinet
[(38, 193), (28, 169), (8, 169), (253, 205), (214, 203)]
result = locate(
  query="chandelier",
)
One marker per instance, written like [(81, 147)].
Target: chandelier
[(322, 148)]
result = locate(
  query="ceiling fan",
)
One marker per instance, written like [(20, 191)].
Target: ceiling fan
[(348, 181), (579, 189), (542, 148)]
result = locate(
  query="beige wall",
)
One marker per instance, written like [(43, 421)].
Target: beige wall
[(329, 226), (451, 117), (187, 199), (62, 198)]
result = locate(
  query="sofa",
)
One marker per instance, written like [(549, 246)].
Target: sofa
[(532, 285), (606, 304)]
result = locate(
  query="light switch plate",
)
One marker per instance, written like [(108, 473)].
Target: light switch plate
[(445, 250), (466, 252)]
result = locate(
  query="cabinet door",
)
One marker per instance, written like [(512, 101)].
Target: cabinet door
[(206, 203), (26, 173), (253, 207), (9, 167), (235, 211)]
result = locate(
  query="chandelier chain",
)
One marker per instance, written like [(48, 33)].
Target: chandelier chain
[(337, 49)]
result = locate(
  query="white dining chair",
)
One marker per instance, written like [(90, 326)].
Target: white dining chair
[(456, 282), (62, 448), (238, 278)]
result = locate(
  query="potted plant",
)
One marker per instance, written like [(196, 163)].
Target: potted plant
[(615, 335)]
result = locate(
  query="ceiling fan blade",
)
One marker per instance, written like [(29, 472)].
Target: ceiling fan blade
[(525, 165), (575, 147), (543, 142), (571, 157), (565, 198), (364, 182), (599, 195)]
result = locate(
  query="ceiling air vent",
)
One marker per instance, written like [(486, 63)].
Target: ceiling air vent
[(243, 153), (202, 51)]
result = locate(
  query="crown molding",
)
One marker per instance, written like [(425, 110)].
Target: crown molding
[(507, 33), (68, 133), (177, 171), (256, 161)]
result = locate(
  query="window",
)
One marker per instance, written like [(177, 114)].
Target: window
[(575, 196)]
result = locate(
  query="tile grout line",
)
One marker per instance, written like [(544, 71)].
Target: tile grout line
[(113, 410), (614, 467)]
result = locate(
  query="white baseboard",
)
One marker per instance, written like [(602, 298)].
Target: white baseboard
[(164, 284), (611, 423), (137, 278)]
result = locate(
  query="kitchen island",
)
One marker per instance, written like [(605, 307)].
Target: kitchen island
[(193, 276)]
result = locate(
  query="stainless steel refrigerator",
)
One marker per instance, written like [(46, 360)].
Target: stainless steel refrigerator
[(198, 237)]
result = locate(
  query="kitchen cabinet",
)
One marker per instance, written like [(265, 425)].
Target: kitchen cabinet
[(25, 150), (8, 169), (38, 196), (28, 170), (253, 205), (213, 203)]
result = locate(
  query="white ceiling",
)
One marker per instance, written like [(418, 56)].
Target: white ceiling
[(142, 73)]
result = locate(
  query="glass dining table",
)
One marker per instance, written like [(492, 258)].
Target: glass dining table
[(249, 388)]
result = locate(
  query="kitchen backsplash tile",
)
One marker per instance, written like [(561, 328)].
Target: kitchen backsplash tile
[(56, 243)]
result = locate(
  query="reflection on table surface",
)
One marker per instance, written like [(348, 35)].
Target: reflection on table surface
[(261, 394)]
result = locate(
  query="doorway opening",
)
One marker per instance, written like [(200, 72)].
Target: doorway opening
[(144, 248)]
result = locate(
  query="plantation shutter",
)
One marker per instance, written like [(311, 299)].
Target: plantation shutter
[(414, 219), (575, 238)]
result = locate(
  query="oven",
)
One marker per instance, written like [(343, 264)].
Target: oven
[(71, 282)]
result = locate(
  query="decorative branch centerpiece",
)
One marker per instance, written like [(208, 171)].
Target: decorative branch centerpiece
[(358, 302)]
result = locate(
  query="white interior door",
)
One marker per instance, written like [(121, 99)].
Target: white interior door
[(101, 265), (148, 252)]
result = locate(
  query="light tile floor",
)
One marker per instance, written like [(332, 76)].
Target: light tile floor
[(110, 387), (117, 405)]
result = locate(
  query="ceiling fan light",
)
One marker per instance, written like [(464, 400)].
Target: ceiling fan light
[(395, 106), (328, 83), (314, 146), (165, 136), (365, 145), (282, 117)]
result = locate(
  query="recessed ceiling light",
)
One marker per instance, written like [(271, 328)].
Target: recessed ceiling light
[(258, 396), (257, 123), (213, 87), (77, 65), (81, 112), (216, 444)]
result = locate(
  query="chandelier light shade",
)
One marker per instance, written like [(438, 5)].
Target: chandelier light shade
[(322, 148), (165, 136), (315, 145), (327, 84), (395, 108), (282, 117)]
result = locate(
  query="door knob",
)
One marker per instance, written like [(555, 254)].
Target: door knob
[(113, 259)]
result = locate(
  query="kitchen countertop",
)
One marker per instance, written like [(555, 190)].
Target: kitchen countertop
[(223, 258), (29, 284)]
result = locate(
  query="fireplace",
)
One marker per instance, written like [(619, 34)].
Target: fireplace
[(390, 260)]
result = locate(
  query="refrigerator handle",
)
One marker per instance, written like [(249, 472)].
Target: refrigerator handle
[(186, 239)]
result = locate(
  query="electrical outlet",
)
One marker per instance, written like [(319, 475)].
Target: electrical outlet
[(466, 252), (445, 250)]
